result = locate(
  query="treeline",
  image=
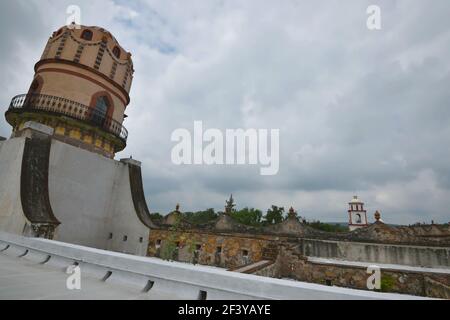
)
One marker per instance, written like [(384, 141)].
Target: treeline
[(252, 217)]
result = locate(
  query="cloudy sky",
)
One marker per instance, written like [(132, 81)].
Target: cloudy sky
[(359, 111)]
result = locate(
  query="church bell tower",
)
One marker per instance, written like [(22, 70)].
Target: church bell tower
[(357, 214), (80, 89)]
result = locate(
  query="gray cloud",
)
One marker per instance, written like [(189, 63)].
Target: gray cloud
[(359, 111)]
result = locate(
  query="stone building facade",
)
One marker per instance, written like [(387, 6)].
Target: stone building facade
[(292, 249)]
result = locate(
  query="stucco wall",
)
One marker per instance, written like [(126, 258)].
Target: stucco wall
[(122, 218), (90, 195), (76, 88), (11, 215), (381, 253)]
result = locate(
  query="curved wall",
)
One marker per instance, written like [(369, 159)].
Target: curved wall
[(91, 197), (12, 218)]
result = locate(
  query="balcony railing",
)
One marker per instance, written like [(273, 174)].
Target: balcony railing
[(72, 109)]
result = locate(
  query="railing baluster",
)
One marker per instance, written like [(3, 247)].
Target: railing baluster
[(71, 108)]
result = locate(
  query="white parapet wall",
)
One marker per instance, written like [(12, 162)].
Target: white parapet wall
[(91, 196), (173, 279), (420, 256), (88, 194), (12, 218)]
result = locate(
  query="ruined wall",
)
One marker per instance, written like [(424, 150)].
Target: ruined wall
[(202, 248), (381, 253), (292, 265), (272, 271)]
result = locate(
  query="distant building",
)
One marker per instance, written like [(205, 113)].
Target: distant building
[(357, 215)]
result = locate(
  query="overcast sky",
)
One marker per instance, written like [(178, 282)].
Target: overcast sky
[(359, 111)]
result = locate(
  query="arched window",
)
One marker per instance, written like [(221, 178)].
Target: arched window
[(87, 35), (358, 218), (34, 86), (100, 110), (116, 52)]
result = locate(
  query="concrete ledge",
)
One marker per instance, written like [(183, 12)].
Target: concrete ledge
[(131, 161), (383, 266), (35, 126), (182, 280)]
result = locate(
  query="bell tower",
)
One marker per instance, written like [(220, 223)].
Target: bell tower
[(81, 89), (357, 214)]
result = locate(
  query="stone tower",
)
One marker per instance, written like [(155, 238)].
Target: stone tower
[(80, 89), (357, 214), (58, 176)]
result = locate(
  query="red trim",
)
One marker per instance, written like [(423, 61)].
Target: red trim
[(94, 98), (40, 82), (82, 66)]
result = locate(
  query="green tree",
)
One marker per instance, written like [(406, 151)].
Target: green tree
[(274, 215), (200, 217), (328, 227), (250, 217), (156, 216)]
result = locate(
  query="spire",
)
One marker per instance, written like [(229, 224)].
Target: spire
[(229, 205), (292, 213)]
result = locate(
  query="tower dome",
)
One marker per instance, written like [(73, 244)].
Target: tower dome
[(81, 89)]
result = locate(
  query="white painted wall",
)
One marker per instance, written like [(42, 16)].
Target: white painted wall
[(12, 218), (122, 218), (179, 280), (435, 257), (91, 197)]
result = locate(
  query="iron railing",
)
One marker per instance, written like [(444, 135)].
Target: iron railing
[(72, 109)]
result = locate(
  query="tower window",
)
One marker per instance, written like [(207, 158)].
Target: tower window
[(100, 110), (116, 52), (358, 218), (219, 250), (34, 86), (87, 35), (245, 253), (125, 238)]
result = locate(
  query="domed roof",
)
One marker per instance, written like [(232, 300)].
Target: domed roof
[(98, 35)]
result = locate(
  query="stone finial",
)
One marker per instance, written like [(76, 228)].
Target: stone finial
[(377, 216), (229, 205), (292, 213)]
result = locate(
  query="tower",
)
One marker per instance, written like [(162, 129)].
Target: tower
[(58, 176), (80, 89), (357, 214)]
